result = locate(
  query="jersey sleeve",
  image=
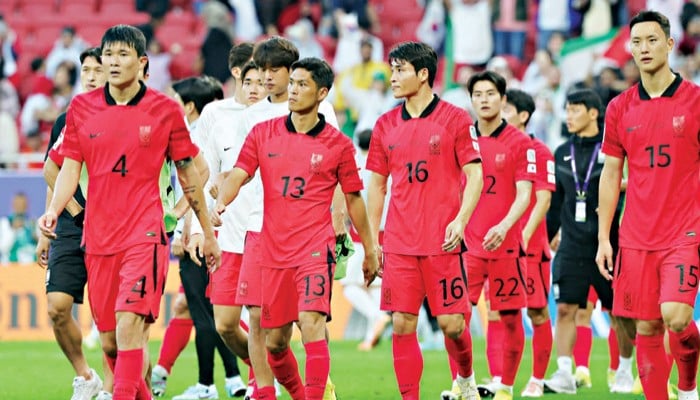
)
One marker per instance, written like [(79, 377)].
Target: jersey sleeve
[(56, 131), (525, 161), (466, 143), (611, 139), (70, 146), (377, 160), (248, 159), (180, 144), (545, 169), (348, 173)]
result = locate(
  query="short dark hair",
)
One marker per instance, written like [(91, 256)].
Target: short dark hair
[(127, 34), (216, 87), (94, 52), (490, 76), (587, 97), (364, 137), (321, 72), (275, 52), (521, 101), (145, 67), (247, 67), (196, 90), (652, 16), (37, 63), (420, 55), (239, 55), (71, 70)]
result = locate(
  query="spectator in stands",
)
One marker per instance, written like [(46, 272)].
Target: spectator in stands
[(361, 9), (303, 36), (474, 18), (67, 48), (510, 19), (213, 57), (149, 28), (276, 15), (159, 64), (352, 36), (9, 101), (534, 79), (8, 52), (9, 108), (247, 25), (552, 17), (18, 234), (501, 66), (459, 96), (368, 104)]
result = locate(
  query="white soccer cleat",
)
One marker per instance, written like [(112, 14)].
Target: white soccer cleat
[(533, 389), (454, 394), (561, 382), (159, 380), (623, 383), (104, 395), (583, 377), (235, 387), (198, 392), (689, 395), (86, 389), (468, 388), (488, 390)]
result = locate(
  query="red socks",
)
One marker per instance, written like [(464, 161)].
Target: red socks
[(318, 363), (285, 368), (541, 348), (128, 374), (266, 393), (613, 349), (175, 340), (460, 354), (513, 345), (684, 347), (494, 347), (582, 348), (653, 367), (408, 365)]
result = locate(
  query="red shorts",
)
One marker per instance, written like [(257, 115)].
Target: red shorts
[(537, 281), (289, 291), (645, 279), (407, 280), (506, 279), (249, 291), (131, 280), (224, 281)]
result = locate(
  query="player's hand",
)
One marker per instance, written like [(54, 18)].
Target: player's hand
[(526, 241), (216, 214), (380, 260), (42, 251), (176, 248), (454, 234), (212, 253), (554, 244), (47, 224), (370, 266), (195, 248), (494, 237), (604, 259), (215, 184)]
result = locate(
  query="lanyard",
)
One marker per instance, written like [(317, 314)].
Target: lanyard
[(581, 190)]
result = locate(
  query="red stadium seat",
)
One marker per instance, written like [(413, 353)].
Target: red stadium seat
[(181, 18), (84, 10), (169, 34), (36, 9), (92, 34), (92, 4), (398, 11), (117, 8)]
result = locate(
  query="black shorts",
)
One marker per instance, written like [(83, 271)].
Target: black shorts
[(572, 278), (67, 272)]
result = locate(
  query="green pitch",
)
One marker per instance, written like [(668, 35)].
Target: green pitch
[(38, 370)]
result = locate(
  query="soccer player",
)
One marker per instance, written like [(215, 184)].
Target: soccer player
[(301, 161), (578, 164), (494, 235), (654, 127), (425, 147), (66, 275), (517, 112), (123, 133)]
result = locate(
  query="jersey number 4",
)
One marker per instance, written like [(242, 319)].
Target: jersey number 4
[(120, 166)]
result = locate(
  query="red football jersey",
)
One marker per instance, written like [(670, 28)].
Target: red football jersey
[(661, 139), (124, 148), (539, 243), (424, 157), (508, 156), (299, 174)]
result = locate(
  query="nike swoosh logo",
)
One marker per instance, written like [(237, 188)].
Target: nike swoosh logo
[(567, 158), (129, 301), (271, 155), (307, 301), (684, 290), (227, 148), (391, 146), (94, 135), (446, 304), (632, 128)]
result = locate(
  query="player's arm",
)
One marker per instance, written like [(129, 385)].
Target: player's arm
[(191, 183), (543, 199), (50, 173), (495, 236), (228, 192), (358, 216), (608, 195), (339, 211), (65, 185), (43, 243), (200, 164), (376, 193), (454, 233)]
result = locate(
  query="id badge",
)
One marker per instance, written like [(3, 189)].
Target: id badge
[(580, 215)]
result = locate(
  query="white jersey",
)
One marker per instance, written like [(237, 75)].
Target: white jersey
[(260, 112)]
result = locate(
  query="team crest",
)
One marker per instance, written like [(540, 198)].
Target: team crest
[(243, 288), (145, 135), (316, 163), (435, 145), (678, 125), (500, 161), (472, 132)]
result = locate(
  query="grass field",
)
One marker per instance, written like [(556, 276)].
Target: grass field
[(38, 370)]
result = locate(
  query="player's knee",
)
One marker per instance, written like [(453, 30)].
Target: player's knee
[(566, 311), (180, 307), (109, 348), (677, 323), (60, 314), (538, 316), (404, 323), (452, 326), (225, 327), (276, 343)]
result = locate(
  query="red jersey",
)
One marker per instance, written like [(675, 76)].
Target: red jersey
[(424, 157), (539, 243), (661, 139), (124, 148), (299, 174), (508, 156)]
